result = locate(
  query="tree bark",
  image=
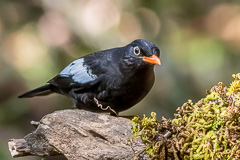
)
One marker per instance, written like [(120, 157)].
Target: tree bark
[(78, 134)]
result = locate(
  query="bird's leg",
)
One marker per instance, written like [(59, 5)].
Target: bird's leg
[(112, 113), (115, 114)]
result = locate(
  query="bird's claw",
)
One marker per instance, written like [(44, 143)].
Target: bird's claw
[(104, 108)]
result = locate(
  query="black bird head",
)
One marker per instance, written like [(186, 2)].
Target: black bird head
[(141, 53)]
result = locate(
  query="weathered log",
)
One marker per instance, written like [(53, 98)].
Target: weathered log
[(78, 134)]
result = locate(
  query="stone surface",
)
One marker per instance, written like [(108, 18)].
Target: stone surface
[(77, 134)]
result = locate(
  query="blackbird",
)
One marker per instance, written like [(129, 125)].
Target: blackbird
[(111, 80)]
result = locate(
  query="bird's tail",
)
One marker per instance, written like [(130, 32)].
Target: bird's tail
[(40, 91)]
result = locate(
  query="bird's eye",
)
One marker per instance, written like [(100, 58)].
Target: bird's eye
[(136, 50)]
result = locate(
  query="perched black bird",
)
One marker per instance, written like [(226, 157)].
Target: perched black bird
[(112, 80)]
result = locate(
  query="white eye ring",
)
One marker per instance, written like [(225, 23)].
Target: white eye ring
[(136, 50)]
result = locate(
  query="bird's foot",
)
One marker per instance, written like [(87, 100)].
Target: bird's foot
[(112, 113)]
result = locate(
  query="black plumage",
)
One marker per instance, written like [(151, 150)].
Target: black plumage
[(118, 78)]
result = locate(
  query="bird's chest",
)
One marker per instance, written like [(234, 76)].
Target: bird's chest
[(127, 90), (138, 86)]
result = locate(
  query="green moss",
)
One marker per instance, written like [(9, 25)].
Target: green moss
[(208, 129)]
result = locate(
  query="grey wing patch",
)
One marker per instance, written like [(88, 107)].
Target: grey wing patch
[(79, 72)]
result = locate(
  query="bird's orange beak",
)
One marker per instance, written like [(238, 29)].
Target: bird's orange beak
[(153, 59)]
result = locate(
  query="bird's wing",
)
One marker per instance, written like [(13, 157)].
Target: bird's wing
[(75, 74)]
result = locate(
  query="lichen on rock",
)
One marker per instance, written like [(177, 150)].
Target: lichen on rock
[(208, 129)]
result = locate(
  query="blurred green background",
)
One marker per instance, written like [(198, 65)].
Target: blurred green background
[(199, 42)]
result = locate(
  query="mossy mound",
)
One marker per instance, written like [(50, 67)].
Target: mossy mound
[(208, 129)]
